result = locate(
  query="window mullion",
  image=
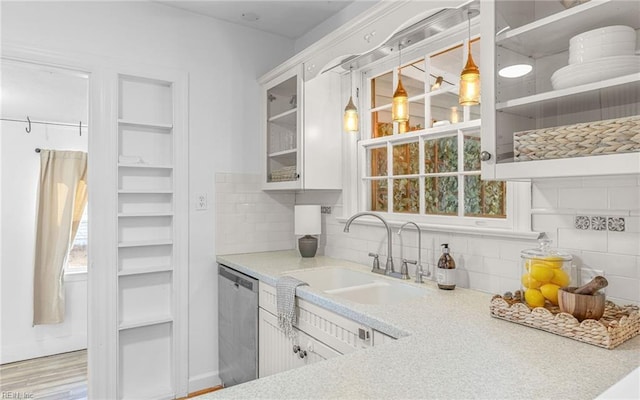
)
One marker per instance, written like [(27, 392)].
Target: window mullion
[(460, 175), (422, 208), (390, 173)]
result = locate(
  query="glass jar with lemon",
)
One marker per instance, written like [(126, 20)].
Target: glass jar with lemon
[(544, 271)]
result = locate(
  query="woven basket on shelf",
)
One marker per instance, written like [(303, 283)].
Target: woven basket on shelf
[(611, 136), (617, 325)]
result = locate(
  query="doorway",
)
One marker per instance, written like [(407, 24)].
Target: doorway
[(41, 107)]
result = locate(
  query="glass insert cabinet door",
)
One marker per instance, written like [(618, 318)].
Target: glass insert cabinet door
[(282, 127)]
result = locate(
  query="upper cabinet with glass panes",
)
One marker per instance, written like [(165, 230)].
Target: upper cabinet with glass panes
[(574, 107), (429, 165)]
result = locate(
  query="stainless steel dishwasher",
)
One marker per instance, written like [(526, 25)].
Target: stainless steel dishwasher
[(237, 326)]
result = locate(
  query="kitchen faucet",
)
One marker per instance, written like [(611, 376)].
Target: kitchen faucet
[(419, 272), (388, 269)]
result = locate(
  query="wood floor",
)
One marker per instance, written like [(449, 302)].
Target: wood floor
[(57, 377)]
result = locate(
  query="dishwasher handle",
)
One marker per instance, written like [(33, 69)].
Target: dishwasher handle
[(238, 278)]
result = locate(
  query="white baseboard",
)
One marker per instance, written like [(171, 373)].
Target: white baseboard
[(204, 381), (42, 348)]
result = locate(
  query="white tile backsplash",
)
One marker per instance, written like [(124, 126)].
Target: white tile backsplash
[(624, 198), (493, 265), (582, 198), (249, 219), (624, 243), (582, 239), (544, 197)]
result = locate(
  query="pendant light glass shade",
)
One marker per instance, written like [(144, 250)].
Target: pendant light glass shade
[(469, 79), (436, 85), (400, 105), (400, 102), (350, 119)]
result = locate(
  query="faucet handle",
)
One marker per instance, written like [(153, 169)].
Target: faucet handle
[(376, 262), (404, 270)]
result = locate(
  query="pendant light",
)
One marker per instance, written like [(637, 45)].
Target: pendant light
[(350, 120), (436, 85), (470, 77), (400, 105)]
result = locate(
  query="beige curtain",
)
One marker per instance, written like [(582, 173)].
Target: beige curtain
[(62, 196)]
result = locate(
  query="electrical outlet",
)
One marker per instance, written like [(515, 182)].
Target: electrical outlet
[(587, 274), (325, 209), (201, 201)]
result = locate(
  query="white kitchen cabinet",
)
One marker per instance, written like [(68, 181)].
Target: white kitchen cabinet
[(326, 333), (278, 353), (302, 132), (537, 32)]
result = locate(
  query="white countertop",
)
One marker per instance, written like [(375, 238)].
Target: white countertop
[(449, 347)]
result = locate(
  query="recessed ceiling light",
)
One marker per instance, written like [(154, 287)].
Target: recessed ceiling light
[(515, 71), (250, 16)]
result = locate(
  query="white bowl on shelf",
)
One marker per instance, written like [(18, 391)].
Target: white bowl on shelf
[(582, 54), (595, 70), (602, 36)]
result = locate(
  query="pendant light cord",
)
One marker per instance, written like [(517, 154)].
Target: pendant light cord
[(350, 80), (399, 57), (469, 36)]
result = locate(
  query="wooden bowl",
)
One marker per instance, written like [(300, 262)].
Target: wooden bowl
[(581, 306)]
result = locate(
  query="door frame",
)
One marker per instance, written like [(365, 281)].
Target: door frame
[(102, 296)]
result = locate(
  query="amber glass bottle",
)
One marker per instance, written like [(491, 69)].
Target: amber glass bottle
[(446, 273)]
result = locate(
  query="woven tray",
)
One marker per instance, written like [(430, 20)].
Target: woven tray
[(617, 325), (611, 136)]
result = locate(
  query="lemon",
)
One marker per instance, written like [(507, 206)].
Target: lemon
[(529, 282), (541, 273), (548, 262), (534, 298), (550, 292), (560, 278)]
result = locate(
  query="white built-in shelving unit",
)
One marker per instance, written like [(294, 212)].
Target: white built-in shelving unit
[(150, 237)]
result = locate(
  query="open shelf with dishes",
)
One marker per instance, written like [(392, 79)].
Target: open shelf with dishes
[(580, 97)]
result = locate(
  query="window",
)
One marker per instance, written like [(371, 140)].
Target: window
[(77, 260), (429, 167)]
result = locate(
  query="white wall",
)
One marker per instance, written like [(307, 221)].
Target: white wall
[(20, 173), (223, 61), (492, 264)]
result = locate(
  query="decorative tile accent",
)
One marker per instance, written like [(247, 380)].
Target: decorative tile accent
[(616, 224), (599, 223), (582, 222)]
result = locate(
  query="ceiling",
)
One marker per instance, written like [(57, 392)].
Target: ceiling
[(291, 19)]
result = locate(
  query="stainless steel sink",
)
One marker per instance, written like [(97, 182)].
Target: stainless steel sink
[(357, 286)]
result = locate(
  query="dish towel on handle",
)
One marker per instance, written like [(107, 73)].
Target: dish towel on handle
[(286, 303)]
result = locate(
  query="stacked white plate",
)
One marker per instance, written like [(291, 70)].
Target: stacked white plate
[(599, 54)]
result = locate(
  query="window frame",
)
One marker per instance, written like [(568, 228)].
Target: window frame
[(80, 269), (517, 222)]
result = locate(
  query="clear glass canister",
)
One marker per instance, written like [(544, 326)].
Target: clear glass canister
[(544, 271)]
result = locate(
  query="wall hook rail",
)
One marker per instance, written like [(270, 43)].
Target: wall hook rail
[(28, 129)]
